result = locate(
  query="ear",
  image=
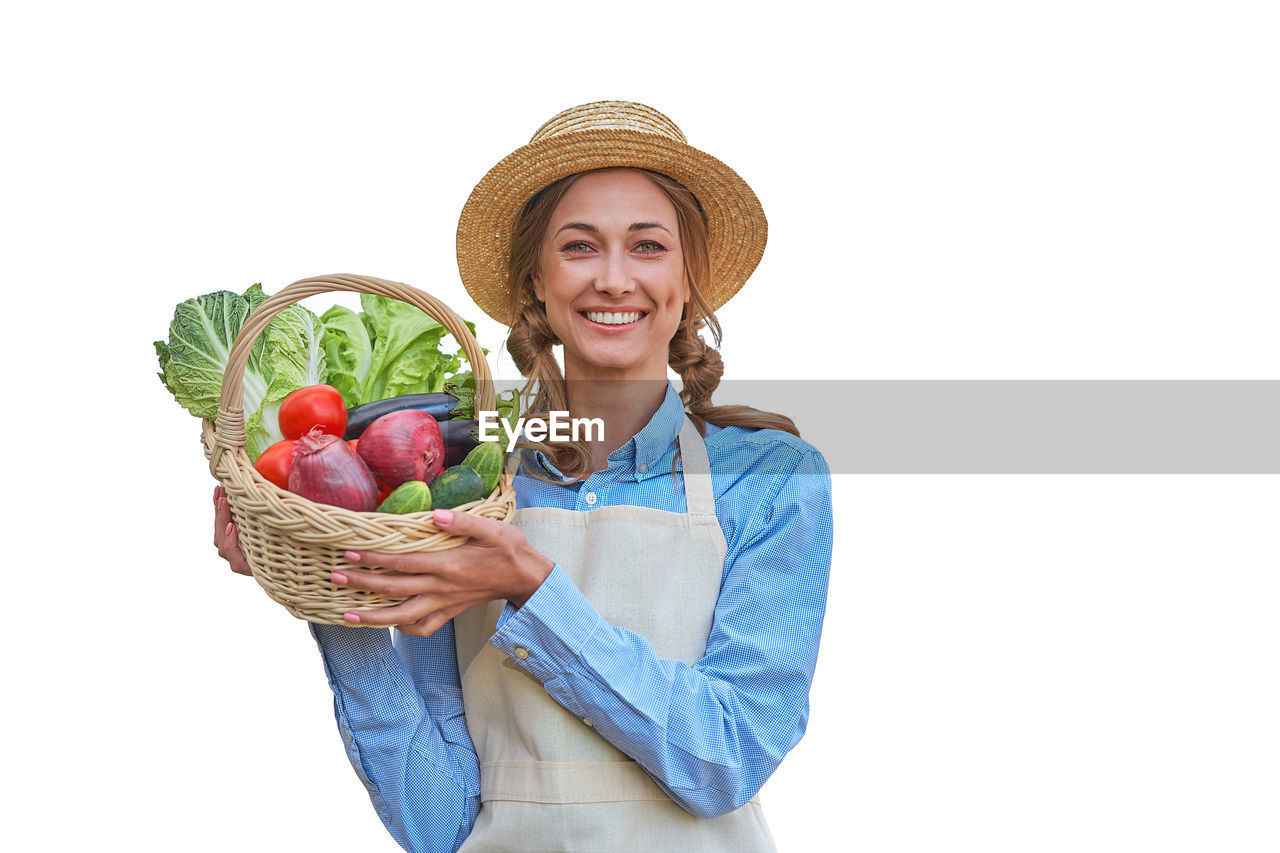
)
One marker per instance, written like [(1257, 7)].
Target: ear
[(538, 289)]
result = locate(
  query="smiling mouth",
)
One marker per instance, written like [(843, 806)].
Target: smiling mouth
[(606, 318)]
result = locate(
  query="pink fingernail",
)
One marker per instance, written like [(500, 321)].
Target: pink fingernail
[(350, 617), (230, 527), (442, 516), (353, 556), (339, 577)]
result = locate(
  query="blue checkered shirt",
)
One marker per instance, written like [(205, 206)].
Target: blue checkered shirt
[(719, 727)]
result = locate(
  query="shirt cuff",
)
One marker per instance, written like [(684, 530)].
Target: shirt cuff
[(347, 649), (545, 636)]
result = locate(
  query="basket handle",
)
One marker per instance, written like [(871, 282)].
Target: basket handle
[(229, 426)]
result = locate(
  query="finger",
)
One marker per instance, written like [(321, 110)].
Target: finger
[(221, 518), (414, 563), (483, 531), (398, 614), (223, 508), (432, 622), (392, 585), (424, 627), (234, 555)]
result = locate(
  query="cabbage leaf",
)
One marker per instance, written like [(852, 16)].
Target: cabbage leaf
[(288, 356)]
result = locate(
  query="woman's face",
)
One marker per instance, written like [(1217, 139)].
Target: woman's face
[(611, 273)]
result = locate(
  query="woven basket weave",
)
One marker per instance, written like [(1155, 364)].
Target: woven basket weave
[(292, 544)]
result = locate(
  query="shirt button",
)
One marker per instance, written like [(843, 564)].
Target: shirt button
[(587, 721), (522, 652), (642, 467), (591, 498)]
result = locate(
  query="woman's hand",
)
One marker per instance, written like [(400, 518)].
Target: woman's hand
[(497, 562), (225, 538)]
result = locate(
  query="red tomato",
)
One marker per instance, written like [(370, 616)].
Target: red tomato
[(383, 488), (314, 406), (275, 462)]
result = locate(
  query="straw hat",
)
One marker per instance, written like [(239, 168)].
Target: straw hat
[(596, 136)]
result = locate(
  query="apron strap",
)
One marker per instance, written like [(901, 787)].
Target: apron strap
[(698, 494)]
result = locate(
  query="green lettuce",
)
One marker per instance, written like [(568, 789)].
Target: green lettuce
[(389, 350), (347, 351), (288, 356)]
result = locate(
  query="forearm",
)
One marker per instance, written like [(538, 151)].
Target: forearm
[(411, 751), (709, 736)]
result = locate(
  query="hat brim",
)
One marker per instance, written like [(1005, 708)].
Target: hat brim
[(736, 225)]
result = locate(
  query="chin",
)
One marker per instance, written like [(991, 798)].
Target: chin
[(612, 362)]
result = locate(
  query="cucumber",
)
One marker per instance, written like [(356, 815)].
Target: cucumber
[(409, 496), (457, 486), (487, 460)]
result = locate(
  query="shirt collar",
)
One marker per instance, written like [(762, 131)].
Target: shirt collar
[(642, 453), (663, 428)]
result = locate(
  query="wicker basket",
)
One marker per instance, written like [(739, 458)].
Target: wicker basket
[(293, 544)]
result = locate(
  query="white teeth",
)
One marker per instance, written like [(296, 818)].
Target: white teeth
[(613, 319)]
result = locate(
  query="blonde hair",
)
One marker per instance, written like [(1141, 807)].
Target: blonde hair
[(531, 338)]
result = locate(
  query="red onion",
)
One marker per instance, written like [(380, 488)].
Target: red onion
[(403, 446), (327, 471)]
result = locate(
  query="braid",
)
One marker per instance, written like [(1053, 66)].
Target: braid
[(700, 368), (530, 343)]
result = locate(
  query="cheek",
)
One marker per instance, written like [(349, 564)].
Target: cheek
[(555, 317), (671, 319), (681, 288), (548, 285), (679, 299)]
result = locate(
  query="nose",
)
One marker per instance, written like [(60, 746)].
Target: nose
[(615, 278)]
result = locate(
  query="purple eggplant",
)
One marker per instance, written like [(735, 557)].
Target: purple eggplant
[(459, 440), (438, 405)]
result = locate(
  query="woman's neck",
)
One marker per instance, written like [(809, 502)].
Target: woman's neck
[(624, 406)]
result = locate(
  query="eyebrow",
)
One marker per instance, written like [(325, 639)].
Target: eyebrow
[(635, 226)]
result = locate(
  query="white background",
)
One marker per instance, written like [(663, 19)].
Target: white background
[(979, 190)]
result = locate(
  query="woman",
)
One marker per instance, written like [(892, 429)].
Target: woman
[(623, 666)]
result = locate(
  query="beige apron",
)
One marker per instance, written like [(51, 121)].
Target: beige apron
[(548, 781)]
